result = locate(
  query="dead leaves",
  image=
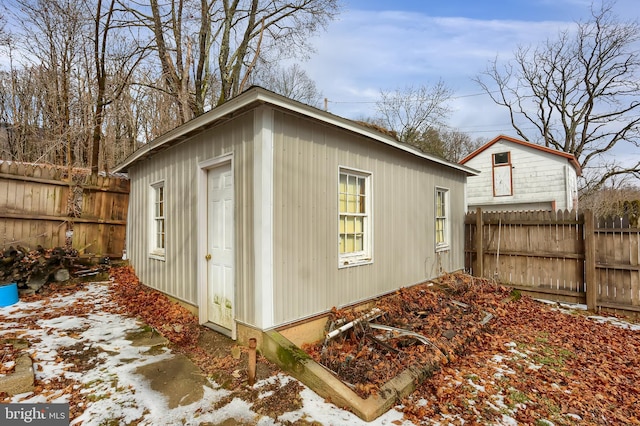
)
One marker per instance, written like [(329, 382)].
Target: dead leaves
[(175, 322), (366, 358), (530, 363), (537, 363), (8, 355)]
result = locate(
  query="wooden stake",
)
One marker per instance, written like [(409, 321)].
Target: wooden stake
[(252, 361)]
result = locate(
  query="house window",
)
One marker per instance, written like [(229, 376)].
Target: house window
[(354, 228), (157, 230), (442, 219)]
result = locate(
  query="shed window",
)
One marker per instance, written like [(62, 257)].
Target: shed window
[(442, 219), (354, 228), (157, 231), (500, 158)]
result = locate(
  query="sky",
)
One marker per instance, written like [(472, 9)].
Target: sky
[(376, 45)]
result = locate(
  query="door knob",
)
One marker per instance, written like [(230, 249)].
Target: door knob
[(208, 257)]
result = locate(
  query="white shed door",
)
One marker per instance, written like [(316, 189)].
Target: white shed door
[(220, 241), (502, 181)]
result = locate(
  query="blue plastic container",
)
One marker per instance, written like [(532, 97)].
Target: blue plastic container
[(8, 294)]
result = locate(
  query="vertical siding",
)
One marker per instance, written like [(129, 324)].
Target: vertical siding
[(307, 278), (178, 167)]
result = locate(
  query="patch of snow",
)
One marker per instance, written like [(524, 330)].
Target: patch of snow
[(8, 365), (314, 408), (499, 402), (508, 421), (517, 352), (618, 322), (115, 392), (477, 387)]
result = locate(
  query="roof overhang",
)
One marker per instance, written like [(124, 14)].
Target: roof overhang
[(256, 96)]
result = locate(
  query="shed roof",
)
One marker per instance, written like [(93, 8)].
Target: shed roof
[(570, 157), (256, 96)]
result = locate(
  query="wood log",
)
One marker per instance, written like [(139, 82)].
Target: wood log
[(33, 269)]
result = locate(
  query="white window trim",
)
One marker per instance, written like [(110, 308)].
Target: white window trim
[(365, 257), (155, 252), (444, 246)]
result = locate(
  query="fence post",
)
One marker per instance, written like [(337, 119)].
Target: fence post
[(479, 248), (590, 261)]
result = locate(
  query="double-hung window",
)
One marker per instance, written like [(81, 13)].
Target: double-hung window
[(354, 229), (157, 228), (442, 219)]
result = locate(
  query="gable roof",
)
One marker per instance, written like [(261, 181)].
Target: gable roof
[(570, 157), (256, 96)]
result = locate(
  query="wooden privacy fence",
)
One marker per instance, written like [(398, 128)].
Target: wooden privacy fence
[(41, 205), (564, 256)]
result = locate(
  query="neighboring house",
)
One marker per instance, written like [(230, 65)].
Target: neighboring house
[(265, 211), (518, 175)]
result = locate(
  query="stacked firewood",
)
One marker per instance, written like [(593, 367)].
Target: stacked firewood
[(32, 269)]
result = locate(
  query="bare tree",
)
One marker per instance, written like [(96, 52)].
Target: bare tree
[(4, 36), (114, 61), (452, 145), (52, 32), (292, 82), (580, 92), (234, 32), (411, 111), (613, 200)]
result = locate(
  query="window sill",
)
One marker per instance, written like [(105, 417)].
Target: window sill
[(157, 256), (443, 247), (348, 263)]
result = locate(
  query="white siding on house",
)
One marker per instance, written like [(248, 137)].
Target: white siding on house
[(178, 167), (539, 179), (308, 279)]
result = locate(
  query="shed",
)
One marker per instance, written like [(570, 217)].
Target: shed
[(265, 211), (516, 175)]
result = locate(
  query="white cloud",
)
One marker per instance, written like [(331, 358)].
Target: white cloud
[(366, 51)]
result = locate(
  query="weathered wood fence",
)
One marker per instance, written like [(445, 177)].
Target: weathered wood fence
[(43, 205), (563, 256)]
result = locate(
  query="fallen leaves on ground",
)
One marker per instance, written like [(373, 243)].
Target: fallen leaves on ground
[(8, 355), (51, 389), (536, 363), (181, 328), (449, 313), (531, 364)]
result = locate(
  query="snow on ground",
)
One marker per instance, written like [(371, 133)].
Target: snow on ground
[(571, 308), (113, 389)]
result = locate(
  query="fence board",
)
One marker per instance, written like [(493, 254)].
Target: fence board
[(38, 204), (545, 253)]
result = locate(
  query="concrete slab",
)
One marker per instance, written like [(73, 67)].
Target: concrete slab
[(177, 378)]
